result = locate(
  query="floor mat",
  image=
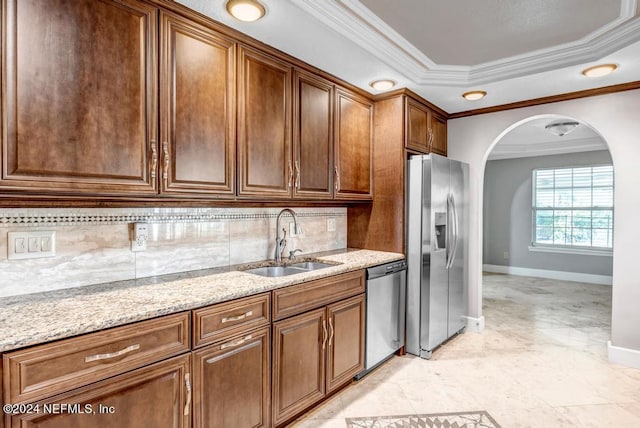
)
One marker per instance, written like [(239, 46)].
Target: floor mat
[(475, 419)]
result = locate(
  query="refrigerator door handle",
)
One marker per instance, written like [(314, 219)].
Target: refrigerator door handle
[(449, 239), (455, 228)]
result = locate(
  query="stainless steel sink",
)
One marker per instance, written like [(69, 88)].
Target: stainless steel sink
[(276, 271), (311, 265)]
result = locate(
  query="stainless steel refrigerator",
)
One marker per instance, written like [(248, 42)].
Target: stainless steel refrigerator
[(437, 251)]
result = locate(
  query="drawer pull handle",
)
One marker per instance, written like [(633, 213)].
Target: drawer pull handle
[(187, 384), (237, 317), (235, 342), (99, 357), (331, 331)]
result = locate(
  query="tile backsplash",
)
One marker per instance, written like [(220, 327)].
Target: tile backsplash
[(93, 246)]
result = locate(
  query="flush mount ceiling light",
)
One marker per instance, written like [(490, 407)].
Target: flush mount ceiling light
[(382, 84), (245, 10), (474, 95), (561, 128), (599, 70)]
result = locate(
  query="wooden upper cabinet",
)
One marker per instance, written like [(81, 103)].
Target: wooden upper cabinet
[(312, 136), (417, 137), (197, 109), (79, 96), (265, 166), (439, 129), (353, 146), (425, 130)]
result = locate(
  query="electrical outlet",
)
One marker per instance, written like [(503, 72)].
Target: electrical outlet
[(331, 224), (31, 244), (292, 229), (505, 255), (139, 237)]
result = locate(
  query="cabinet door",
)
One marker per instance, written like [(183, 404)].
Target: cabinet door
[(417, 137), (298, 363), (153, 396), (231, 382), (345, 351), (353, 146), (79, 100), (312, 137), (265, 167), (439, 130), (197, 87)]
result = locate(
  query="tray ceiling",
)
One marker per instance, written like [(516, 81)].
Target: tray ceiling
[(514, 50)]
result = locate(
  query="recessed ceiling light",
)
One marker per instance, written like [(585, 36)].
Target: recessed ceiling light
[(382, 84), (599, 70), (474, 95), (245, 10)]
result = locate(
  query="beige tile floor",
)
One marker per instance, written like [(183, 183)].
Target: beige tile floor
[(540, 362)]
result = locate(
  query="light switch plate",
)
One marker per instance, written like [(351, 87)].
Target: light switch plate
[(33, 244), (331, 224)]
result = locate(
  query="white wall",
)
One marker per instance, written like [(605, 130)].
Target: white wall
[(617, 118), (507, 216)]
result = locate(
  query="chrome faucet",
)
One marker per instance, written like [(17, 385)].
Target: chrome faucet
[(282, 242)]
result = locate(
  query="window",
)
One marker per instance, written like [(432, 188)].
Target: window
[(573, 207)]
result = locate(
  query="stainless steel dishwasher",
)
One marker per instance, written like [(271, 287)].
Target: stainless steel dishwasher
[(386, 291)]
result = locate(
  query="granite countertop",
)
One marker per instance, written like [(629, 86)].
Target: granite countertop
[(38, 318)]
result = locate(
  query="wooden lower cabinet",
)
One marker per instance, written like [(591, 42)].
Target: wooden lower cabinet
[(232, 383), (345, 347), (299, 345), (314, 354), (154, 396)]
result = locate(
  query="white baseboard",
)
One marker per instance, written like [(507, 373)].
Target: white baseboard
[(475, 325), (550, 274), (623, 356)]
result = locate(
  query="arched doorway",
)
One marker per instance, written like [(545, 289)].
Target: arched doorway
[(471, 138), (547, 232)]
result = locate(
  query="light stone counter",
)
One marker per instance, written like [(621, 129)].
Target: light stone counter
[(38, 318)]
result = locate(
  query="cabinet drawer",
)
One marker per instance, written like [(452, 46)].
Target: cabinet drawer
[(300, 298), (220, 321), (34, 373)]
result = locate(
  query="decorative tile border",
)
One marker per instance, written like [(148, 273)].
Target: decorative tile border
[(69, 217)]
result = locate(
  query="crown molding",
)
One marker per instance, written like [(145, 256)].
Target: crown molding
[(604, 90), (509, 151), (354, 21)]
